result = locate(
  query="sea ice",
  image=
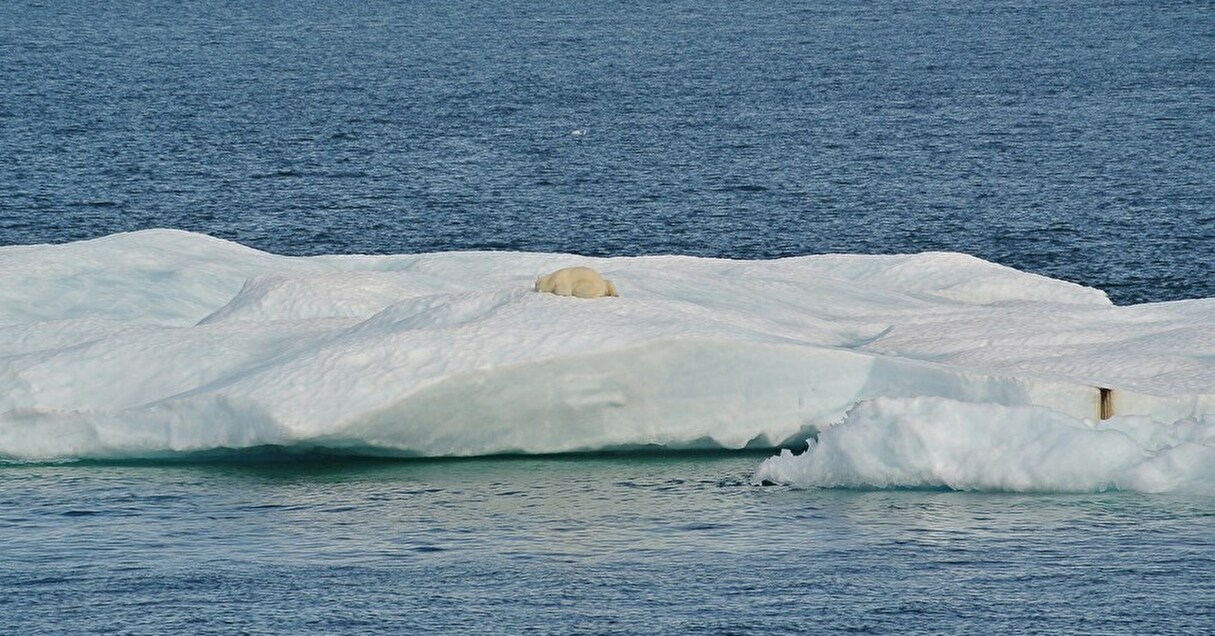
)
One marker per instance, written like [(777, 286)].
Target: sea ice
[(933, 442), (164, 341)]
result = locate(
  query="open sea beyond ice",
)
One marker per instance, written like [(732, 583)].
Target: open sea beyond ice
[(201, 438)]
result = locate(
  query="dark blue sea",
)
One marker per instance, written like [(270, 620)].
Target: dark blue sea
[(1071, 139)]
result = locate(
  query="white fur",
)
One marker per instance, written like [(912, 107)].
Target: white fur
[(582, 282)]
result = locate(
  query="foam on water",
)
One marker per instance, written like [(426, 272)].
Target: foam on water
[(163, 341)]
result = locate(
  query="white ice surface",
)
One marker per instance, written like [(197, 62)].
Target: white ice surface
[(927, 442), (165, 341)]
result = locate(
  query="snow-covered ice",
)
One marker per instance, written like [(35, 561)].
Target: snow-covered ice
[(163, 341), (933, 442)]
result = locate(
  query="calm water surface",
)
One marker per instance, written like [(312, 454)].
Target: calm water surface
[(1072, 139), (629, 544)]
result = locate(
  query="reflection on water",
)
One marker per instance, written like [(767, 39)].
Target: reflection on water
[(676, 542)]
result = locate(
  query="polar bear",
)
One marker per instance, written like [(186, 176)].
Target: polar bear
[(582, 282)]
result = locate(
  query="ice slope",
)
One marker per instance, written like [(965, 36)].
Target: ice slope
[(165, 341), (927, 442)]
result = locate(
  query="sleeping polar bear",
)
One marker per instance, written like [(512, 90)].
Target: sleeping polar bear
[(582, 282)]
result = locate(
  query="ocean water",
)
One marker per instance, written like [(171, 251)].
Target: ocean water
[(1070, 139), (1074, 140), (580, 545)]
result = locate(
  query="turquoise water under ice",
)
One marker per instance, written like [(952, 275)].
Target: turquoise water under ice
[(649, 544)]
